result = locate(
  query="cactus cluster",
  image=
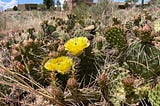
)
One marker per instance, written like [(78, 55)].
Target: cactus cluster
[(137, 20), (129, 25), (146, 34), (147, 15), (80, 61), (118, 93), (47, 28), (116, 21)]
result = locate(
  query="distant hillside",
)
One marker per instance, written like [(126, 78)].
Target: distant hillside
[(18, 20)]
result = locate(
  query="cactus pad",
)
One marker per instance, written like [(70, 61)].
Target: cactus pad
[(154, 95), (116, 36)]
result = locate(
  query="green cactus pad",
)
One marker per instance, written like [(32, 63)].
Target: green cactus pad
[(157, 25), (146, 37), (117, 88), (128, 25), (116, 36), (143, 59), (154, 95)]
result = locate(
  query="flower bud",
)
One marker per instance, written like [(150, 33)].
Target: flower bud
[(15, 53), (56, 41), (36, 40), (20, 66), (60, 48), (25, 43), (48, 44), (128, 81), (61, 41), (135, 28), (146, 28), (57, 92), (99, 39), (30, 62), (30, 41), (72, 83), (53, 54), (102, 79), (15, 46)]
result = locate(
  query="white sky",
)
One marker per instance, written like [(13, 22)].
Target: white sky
[(5, 5)]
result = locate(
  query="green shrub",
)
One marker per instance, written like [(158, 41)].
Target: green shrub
[(15, 8)]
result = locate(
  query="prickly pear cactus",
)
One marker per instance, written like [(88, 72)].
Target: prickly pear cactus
[(157, 26), (86, 63), (137, 20), (145, 33), (117, 93), (154, 95), (79, 33), (143, 91), (116, 36), (47, 28), (128, 25), (143, 59), (145, 37), (116, 20)]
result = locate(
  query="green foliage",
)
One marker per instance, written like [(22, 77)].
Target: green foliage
[(154, 95), (129, 25), (81, 11), (130, 1), (143, 59), (42, 7), (86, 71), (48, 3), (28, 61), (116, 21), (79, 33), (15, 8), (117, 89), (116, 36), (142, 3), (47, 28), (65, 5), (58, 3), (58, 8), (71, 22), (155, 2)]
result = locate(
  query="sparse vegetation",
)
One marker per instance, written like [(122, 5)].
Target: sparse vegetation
[(104, 57)]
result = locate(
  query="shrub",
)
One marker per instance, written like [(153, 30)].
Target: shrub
[(15, 8)]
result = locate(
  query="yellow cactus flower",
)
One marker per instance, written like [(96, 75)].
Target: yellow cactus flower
[(60, 64), (157, 25), (76, 45)]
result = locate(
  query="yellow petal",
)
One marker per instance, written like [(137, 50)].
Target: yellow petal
[(76, 45), (61, 64)]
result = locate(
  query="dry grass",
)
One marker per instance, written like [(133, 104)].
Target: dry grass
[(22, 20)]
